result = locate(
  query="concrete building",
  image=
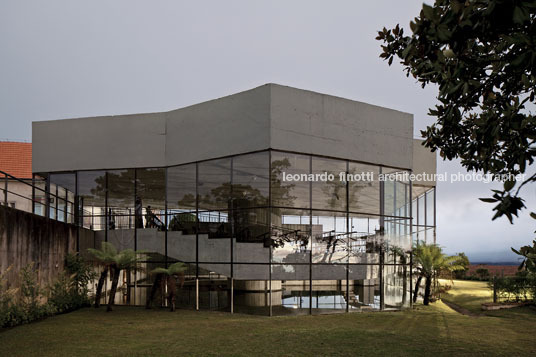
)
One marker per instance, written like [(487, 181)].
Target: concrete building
[(246, 190)]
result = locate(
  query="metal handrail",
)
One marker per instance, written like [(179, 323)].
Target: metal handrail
[(6, 191)]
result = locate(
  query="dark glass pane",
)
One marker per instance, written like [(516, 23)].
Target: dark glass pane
[(250, 180), (67, 181), (182, 219), (151, 187), (120, 199), (288, 187), (214, 287), (214, 236), (181, 237), (252, 289), (364, 187), (329, 192), (92, 193), (181, 188), (214, 185), (252, 225)]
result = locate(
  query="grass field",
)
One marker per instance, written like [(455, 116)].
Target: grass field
[(130, 331), (468, 294)]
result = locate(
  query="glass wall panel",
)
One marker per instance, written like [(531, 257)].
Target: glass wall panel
[(150, 195), (40, 196), (120, 199), (181, 189), (214, 236), (365, 238), (250, 180), (396, 282), (182, 218), (61, 203), (70, 207), (150, 211), (329, 192), (421, 220), (430, 217), (214, 184), (218, 219), (414, 211), (364, 188), (92, 193), (185, 293), (292, 281), (148, 293), (252, 225), (364, 257), (364, 293), (66, 186), (329, 288), (53, 200), (289, 189), (214, 287), (330, 238), (120, 209), (252, 289), (402, 198), (291, 236)]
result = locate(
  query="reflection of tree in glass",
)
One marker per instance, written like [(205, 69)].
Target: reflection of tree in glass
[(182, 221), (221, 195), (188, 200), (335, 190), (283, 197), (122, 184)]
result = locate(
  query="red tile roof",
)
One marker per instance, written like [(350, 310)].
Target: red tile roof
[(16, 158)]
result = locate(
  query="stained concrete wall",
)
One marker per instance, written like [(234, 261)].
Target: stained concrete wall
[(314, 123), (27, 238), (424, 161), (231, 125), (269, 116), (120, 141)]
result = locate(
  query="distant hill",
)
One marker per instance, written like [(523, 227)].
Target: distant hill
[(494, 269), (496, 263)]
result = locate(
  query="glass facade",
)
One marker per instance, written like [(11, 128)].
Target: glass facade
[(270, 232)]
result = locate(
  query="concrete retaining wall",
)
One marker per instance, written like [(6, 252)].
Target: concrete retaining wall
[(27, 238)]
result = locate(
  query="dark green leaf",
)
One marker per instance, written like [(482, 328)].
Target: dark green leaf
[(488, 200)]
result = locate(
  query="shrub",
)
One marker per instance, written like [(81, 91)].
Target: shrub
[(24, 304), (7, 297), (482, 273), (70, 291), (521, 287), (27, 303)]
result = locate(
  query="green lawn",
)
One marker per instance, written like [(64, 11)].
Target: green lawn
[(468, 294), (129, 331)]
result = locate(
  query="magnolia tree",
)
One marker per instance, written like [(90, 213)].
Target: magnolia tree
[(481, 54)]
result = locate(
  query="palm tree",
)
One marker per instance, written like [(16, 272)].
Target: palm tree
[(114, 261), (104, 258), (430, 261), (167, 277)]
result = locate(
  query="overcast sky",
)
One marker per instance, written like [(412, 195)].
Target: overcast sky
[(63, 59)]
